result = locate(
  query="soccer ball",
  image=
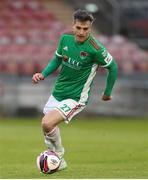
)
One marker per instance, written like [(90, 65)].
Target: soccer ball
[(48, 162)]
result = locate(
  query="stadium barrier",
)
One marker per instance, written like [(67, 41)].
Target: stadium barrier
[(20, 97)]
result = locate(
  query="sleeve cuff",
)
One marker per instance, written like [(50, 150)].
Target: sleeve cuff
[(58, 54)]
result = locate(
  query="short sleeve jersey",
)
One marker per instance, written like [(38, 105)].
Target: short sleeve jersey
[(80, 62)]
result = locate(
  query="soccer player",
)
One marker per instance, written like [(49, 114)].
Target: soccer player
[(79, 54)]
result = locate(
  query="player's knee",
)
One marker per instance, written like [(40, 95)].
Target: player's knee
[(47, 124)]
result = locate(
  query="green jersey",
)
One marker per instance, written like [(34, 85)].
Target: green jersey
[(80, 62)]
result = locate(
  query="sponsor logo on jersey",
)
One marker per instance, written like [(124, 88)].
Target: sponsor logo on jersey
[(83, 55), (71, 62)]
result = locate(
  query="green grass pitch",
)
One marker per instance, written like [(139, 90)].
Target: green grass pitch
[(95, 148)]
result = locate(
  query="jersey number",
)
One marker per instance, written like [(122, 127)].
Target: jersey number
[(65, 108)]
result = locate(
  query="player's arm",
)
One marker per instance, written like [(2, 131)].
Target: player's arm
[(53, 64), (105, 60), (110, 81)]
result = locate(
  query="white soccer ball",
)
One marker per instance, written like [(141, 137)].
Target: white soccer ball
[(48, 162)]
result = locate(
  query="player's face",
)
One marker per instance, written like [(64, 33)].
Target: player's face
[(81, 30)]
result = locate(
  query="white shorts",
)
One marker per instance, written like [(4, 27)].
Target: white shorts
[(68, 107)]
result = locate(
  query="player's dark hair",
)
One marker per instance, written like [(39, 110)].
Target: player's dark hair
[(83, 15)]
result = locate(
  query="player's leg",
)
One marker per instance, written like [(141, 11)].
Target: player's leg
[(52, 134), (49, 107), (56, 112)]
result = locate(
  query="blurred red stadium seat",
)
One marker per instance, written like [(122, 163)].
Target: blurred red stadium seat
[(29, 35)]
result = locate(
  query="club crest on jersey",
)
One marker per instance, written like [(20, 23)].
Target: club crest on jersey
[(65, 58), (83, 55)]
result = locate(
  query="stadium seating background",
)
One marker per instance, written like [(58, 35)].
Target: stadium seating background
[(29, 33), (28, 36)]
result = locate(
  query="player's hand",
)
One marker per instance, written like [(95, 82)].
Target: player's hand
[(106, 98), (37, 77)]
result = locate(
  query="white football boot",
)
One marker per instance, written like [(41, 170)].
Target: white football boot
[(60, 152), (63, 165)]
